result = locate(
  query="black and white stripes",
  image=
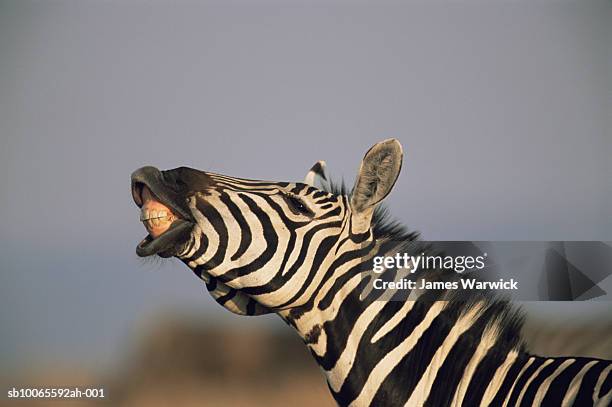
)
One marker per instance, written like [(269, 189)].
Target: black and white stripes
[(301, 252)]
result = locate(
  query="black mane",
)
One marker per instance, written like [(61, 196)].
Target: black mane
[(383, 223)]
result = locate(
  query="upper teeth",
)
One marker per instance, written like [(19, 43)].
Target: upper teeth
[(146, 214)]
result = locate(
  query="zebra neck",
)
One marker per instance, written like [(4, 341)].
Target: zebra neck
[(371, 348)]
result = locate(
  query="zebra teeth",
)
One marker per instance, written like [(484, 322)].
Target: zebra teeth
[(156, 221), (146, 214), (159, 224)]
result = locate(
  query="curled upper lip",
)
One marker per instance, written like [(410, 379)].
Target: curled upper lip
[(153, 179), (177, 213)]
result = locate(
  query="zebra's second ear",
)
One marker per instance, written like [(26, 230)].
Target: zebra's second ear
[(378, 172), (317, 175)]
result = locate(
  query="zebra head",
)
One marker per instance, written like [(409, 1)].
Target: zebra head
[(261, 246)]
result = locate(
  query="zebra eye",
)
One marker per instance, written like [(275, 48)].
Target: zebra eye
[(298, 205)]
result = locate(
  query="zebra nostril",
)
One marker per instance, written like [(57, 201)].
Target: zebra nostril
[(137, 193)]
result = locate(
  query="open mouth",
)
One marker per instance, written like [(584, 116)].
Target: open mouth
[(167, 224), (156, 217)]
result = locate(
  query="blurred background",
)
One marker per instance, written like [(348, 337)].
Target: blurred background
[(504, 110)]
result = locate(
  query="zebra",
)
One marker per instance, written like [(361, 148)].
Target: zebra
[(301, 250)]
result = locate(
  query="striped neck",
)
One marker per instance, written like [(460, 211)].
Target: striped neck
[(370, 348)]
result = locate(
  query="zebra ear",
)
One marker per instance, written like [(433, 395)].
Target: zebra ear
[(379, 170), (317, 175)]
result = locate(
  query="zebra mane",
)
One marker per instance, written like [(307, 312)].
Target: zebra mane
[(383, 223), (500, 314)]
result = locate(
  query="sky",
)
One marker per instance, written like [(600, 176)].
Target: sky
[(504, 110)]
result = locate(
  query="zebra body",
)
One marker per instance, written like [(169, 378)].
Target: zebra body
[(304, 252)]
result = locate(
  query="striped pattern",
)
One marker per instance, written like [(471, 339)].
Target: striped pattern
[(304, 254), (258, 248)]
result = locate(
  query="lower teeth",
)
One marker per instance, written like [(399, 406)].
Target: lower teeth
[(157, 222)]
